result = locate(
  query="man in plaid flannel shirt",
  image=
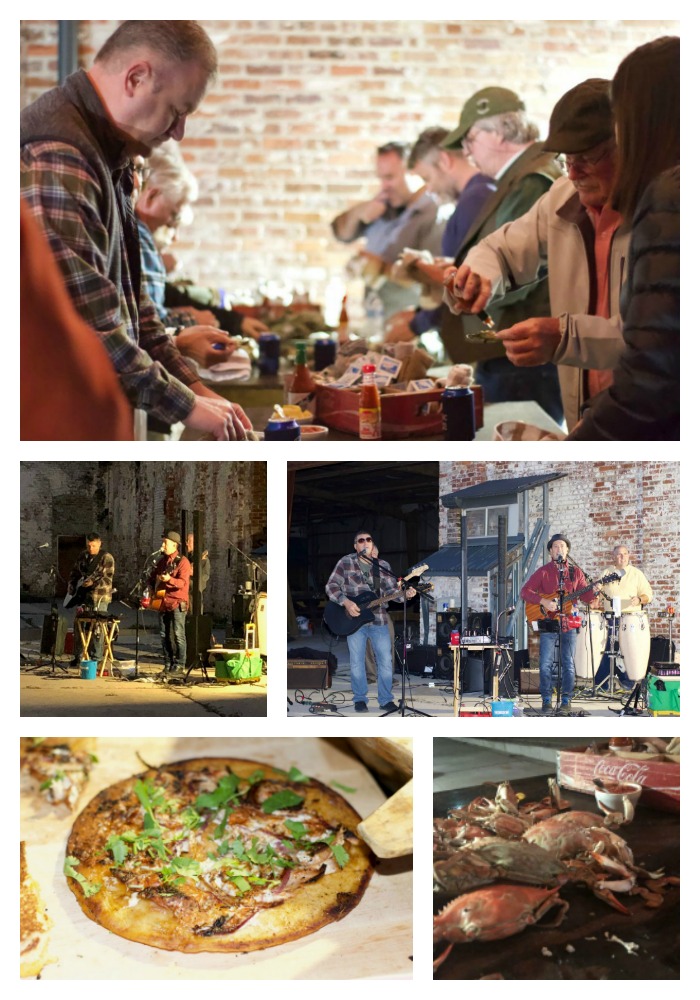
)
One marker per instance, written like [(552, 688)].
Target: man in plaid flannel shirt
[(93, 575), (352, 575), (77, 143)]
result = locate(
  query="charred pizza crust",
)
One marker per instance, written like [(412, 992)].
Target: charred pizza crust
[(217, 855)]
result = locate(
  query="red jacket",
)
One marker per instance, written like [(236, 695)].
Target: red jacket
[(177, 588), (545, 580)]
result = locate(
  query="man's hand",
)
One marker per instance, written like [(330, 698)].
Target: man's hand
[(532, 342), (204, 317), (550, 605), (397, 330), (197, 343), (634, 602), (216, 416), (351, 608), (370, 211), (251, 327), (411, 592), (465, 290)]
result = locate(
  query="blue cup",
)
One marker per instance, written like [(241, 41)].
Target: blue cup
[(88, 670)]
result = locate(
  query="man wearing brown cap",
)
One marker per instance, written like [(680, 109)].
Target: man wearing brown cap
[(581, 239), (170, 583), (496, 134), (547, 589)]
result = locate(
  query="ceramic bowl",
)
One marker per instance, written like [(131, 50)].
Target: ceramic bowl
[(614, 799), (313, 432)]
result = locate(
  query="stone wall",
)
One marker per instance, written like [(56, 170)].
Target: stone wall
[(285, 139), (130, 504)]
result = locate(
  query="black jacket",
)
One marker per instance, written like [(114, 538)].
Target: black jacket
[(643, 404)]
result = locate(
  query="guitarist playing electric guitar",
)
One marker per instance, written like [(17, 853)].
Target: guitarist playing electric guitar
[(169, 583), (543, 589), (355, 574)]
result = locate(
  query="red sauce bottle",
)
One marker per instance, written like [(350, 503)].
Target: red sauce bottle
[(370, 407)]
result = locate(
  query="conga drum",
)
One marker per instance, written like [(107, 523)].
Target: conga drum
[(590, 644), (635, 643)]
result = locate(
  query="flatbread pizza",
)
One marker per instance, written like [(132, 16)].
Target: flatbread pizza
[(217, 855)]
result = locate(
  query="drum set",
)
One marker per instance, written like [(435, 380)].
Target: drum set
[(624, 636)]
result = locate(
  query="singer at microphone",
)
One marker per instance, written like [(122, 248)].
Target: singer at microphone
[(543, 589), (359, 576)]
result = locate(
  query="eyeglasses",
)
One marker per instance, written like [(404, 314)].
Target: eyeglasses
[(358, 540), (583, 162)]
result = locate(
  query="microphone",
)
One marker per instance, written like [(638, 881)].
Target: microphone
[(45, 545), (511, 609), (560, 559)]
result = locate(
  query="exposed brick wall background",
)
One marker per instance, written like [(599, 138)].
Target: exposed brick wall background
[(597, 506), (285, 139), (131, 503)]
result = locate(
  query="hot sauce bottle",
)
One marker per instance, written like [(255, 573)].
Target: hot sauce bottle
[(344, 322), (302, 387), (370, 407)]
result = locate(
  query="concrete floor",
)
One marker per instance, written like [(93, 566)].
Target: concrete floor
[(423, 694), (63, 693)]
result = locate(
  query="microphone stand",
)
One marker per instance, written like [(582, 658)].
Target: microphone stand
[(401, 710), (135, 597)]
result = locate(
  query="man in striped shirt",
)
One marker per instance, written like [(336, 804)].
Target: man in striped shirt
[(77, 143)]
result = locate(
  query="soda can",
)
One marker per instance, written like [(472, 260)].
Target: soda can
[(269, 359), (282, 430), (324, 354), (458, 414)]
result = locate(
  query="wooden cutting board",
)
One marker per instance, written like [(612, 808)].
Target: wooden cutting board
[(373, 941)]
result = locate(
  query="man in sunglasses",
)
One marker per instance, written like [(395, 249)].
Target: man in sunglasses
[(354, 574), (574, 231)]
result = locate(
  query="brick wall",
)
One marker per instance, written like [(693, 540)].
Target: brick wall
[(130, 503), (285, 139), (597, 506)]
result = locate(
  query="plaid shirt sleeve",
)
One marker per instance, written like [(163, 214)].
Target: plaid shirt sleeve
[(64, 194)]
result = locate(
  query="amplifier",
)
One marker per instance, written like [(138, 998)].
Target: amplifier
[(420, 660), (665, 669), (475, 640), (53, 629), (479, 622), (446, 622), (308, 674)]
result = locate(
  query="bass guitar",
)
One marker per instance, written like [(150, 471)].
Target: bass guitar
[(536, 612), (341, 623)]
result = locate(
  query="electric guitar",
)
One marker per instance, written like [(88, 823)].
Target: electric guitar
[(341, 623), (536, 612)]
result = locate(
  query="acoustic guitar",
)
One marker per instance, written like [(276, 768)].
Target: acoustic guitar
[(77, 596), (341, 623), (536, 612)]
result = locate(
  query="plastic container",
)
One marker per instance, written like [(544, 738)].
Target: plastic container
[(88, 670), (502, 708)]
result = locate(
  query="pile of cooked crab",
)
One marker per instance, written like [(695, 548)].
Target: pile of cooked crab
[(502, 862)]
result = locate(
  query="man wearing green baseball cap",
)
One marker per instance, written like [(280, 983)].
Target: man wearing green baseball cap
[(573, 228), (496, 134)]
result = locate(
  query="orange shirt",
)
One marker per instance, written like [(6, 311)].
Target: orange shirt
[(606, 221)]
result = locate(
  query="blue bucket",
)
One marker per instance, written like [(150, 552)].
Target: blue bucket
[(88, 670), (502, 708)]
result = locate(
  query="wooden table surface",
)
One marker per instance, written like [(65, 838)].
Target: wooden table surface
[(654, 839)]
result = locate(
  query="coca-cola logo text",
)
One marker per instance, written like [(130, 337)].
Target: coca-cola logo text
[(625, 770)]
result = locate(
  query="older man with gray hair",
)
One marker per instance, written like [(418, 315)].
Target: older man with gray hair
[(496, 133), (77, 144), (573, 232)]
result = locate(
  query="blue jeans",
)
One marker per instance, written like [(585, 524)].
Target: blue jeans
[(380, 640), (172, 636), (549, 663)]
